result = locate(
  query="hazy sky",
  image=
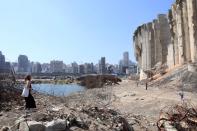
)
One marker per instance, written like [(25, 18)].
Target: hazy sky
[(73, 30)]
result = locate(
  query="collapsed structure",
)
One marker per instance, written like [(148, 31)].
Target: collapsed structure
[(169, 40)]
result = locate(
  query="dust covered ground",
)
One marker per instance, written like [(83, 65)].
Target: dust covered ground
[(140, 107)]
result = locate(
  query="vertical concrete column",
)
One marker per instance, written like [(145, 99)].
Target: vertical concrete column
[(157, 43), (170, 46), (192, 20), (164, 36), (186, 31), (180, 33), (175, 37)]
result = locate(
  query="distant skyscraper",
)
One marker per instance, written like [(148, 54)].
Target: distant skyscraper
[(45, 68), (89, 68), (56, 66), (36, 68), (126, 59), (2, 62), (102, 66), (121, 66), (74, 68), (15, 66), (81, 69), (23, 63)]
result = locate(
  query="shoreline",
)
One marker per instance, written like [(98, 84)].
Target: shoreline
[(49, 81)]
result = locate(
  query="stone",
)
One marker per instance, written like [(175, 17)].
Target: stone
[(169, 127), (42, 117), (5, 128), (56, 109), (133, 94), (17, 123), (56, 125), (192, 67), (31, 126)]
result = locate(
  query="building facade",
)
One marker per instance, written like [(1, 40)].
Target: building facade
[(81, 69), (36, 67), (102, 66), (23, 64), (126, 59), (56, 66), (75, 68), (2, 62)]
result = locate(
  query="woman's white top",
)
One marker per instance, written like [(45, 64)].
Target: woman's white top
[(25, 92)]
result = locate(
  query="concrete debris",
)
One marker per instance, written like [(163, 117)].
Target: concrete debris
[(58, 124), (87, 118), (5, 128), (31, 126), (178, 117), (97, 81)]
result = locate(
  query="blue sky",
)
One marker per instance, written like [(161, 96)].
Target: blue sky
[(73, 30)]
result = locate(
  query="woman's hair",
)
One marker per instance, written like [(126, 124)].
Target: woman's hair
[(28, 78)]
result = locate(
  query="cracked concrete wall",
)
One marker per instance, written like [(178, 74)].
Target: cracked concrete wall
[(183, 23), (150, 43), (192, 20), (171, 40)]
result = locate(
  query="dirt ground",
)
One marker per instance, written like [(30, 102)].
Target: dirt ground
[(148, 103), (139, 106)]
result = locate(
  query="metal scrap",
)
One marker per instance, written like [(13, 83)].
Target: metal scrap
[(181, 117)]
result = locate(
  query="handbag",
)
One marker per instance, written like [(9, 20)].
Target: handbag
[(25, 92)]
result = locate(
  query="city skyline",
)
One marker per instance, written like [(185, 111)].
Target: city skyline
[(73, 30), (24, 65), (96, 62)]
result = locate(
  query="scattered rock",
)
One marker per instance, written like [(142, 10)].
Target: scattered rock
[(4, 129), (133, 94), (59, 125), (31, 126), (19, 108), (56, 109), (42, 117)]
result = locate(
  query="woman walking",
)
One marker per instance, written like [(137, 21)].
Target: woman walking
[(29, 100)]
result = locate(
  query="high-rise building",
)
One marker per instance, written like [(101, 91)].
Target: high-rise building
[(23, 63), (36, 67), (45, 68), (89, 68), (124, 63), (81, 69), (102, 66), (74, 68), (7, 66), (68, 68), (14, 66), (56, 66), (2, 62), (126, 59)]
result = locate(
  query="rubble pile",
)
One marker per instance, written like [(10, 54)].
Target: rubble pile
[(179, 117), (9, 98), (97, 81), (109, 118), (83, 118), (180, 74)]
